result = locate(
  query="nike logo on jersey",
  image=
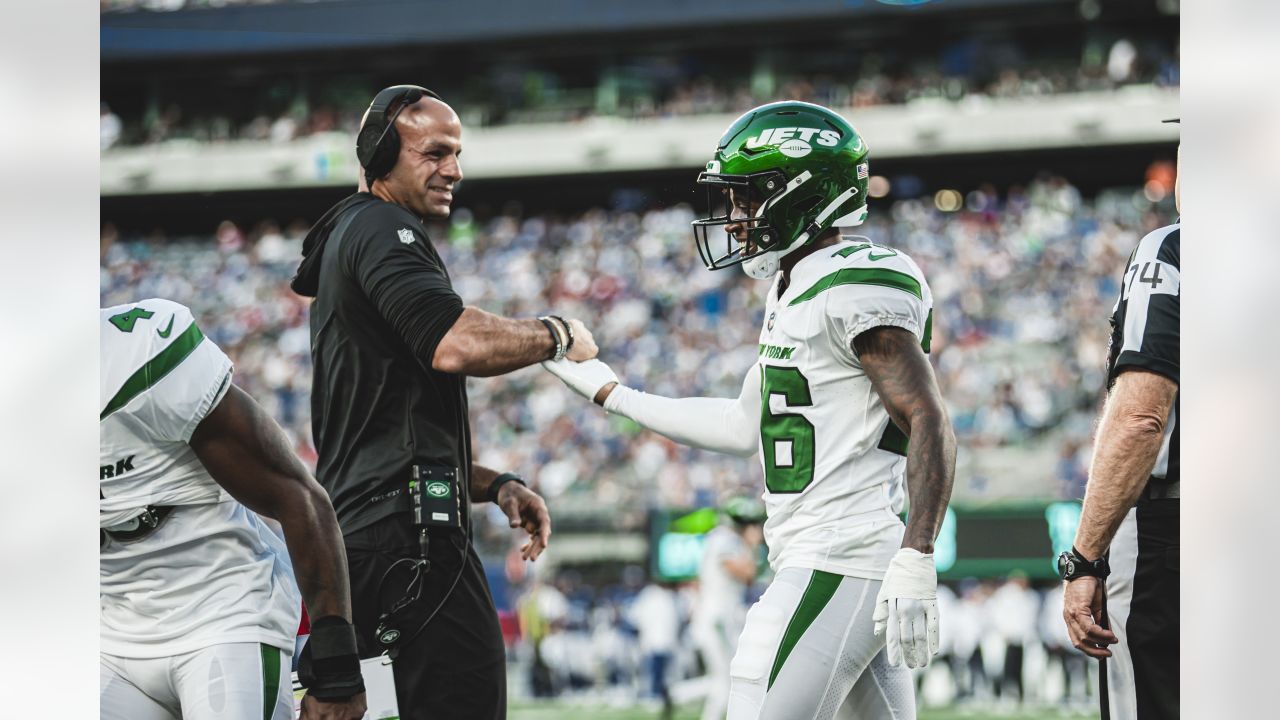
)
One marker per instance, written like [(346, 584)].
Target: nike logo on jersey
[(872, 256), (167, 329)]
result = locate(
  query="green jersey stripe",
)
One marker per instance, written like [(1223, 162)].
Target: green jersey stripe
[(861, 276), (822, 585), (155, 369), (270, 680)]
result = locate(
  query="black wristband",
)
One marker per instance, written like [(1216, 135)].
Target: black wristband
[(501, 480), (329, 666), (568, 331)]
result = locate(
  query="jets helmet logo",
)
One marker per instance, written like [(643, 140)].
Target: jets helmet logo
[(794, 141)]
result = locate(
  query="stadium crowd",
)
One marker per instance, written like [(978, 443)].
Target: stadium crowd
[(663, 87), (1019, 280)]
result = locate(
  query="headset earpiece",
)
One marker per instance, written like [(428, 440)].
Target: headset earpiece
[(378, 144)]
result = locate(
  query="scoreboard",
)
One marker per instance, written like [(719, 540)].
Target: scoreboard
[(975, 541)]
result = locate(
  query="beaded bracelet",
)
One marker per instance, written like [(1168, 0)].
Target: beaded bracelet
[(560, 349), (567, 331)]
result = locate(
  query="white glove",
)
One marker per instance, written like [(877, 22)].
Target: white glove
[(585, 378), (907, 607)]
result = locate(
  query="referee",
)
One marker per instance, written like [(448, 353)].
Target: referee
[(1131, 502)]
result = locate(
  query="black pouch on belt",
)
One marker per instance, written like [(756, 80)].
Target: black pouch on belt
[(152, 517)]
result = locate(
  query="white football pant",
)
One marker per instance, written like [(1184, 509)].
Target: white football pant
[(809, 652), (233, 681)]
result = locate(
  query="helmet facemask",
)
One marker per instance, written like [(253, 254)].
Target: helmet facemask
[(745, 201)]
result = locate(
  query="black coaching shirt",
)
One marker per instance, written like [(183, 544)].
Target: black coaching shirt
[(1144, 331), (383, 301)]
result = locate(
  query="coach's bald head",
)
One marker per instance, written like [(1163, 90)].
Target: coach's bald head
[(427, 167)]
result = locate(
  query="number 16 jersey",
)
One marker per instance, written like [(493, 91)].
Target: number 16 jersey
[(833, 461)]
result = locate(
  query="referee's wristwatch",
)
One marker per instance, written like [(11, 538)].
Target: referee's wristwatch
[(1072, 565)]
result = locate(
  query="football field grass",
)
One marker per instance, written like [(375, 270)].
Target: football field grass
[(560, 710)]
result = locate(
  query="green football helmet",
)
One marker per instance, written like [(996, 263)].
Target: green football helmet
[(783, 173)]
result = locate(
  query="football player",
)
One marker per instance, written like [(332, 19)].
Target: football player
[(727, 570), (842, 405), (198, 594)]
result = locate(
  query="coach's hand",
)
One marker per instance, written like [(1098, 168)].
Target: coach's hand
[(1082, 609), (316, 709), (907, 609), (585, 378), (525, 509)]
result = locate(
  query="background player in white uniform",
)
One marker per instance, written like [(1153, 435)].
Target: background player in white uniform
[(728, 567), (199, 600), (842, 381)]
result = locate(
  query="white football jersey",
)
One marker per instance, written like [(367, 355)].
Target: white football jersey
[(213, 572), (833, 461), (721, 596)]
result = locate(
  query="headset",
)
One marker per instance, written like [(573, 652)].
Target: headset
[(378, 144)]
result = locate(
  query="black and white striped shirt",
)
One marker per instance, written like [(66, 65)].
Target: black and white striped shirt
[(1144, 334)]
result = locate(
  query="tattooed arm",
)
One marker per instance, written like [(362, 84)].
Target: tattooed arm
[(901, 374), (248, 454)]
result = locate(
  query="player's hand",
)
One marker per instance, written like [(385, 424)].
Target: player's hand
[(585, 378), (907, 609), (315, 709), (584, 345), (526, 509), (1082, 609)]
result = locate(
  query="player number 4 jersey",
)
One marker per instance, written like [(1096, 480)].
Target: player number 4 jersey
[(160, 378), (213, 571), (833, 461)]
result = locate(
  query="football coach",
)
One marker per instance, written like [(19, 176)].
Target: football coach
[(1131, 503), (392, 345)]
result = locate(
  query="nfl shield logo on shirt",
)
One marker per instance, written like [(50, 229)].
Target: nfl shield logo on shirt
[(406, 235)]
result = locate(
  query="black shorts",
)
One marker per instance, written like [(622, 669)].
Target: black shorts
[(456, 668), (1142, 602)]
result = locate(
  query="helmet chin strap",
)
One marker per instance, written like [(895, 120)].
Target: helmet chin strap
[(766, 265)]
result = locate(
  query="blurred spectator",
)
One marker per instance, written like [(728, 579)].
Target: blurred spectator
[(1073, 469), (667, 86), (542, 611), (109, 126), (1120, 62), (1072, 663), (1014, 610), (656, 614), (967, 627)]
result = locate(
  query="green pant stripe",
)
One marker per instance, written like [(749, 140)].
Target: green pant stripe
[(822, 585), (270, 680)]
